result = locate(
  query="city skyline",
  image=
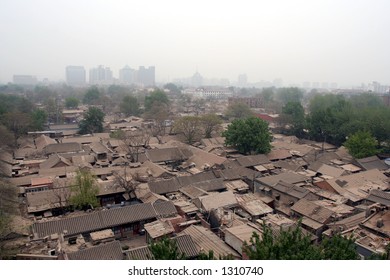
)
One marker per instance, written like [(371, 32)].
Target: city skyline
[(343, 42)]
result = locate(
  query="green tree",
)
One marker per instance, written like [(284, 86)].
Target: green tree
[(238, 111), (293, 244), (339, 247), (130, 106), (294, 114), (38, 119), (248, 136), (172, 88), (210, 256), (84, 191), (290, 94), (72, 102), (92, 96), (92, 122), (210, 123), (166, 249), (156, 97), (189, 127), (361, 144)]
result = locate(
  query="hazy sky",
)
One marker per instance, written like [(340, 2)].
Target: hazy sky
[(341, 41)]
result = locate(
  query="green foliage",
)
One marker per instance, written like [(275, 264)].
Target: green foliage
[(210, 256), (172, 88), (38, 119), (130, 106), (155, 98), (294, 114), (338, 247), (291, 94), (238, 111), (92, 96), (92, 122), (248, 136), (292, 244), (85, 190), (72, 102), (166, 249), (361, 144)]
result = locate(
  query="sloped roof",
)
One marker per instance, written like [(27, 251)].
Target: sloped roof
[(311, 210), (248, 161), (164, 186), (207, 240), (184, 242), (42, 141), (254, 206), (196, 178), (239, 172), (218, 200), (379, 196), (288, 177), (210, 185), (53, 160), (279, 154), (168, 154), (95, 221), (107, 251), (63, 148), (164, 208), (290, 189), (373, 162)]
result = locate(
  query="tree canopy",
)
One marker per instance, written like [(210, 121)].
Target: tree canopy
[(84, 190), (293, 244), (361, 144), (238, 111), (72, 102), (92, 96), (156, 97), (248, 136), (92, 122), (130, 106), (166, 249)]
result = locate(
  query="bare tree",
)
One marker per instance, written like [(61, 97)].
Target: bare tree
[(62, 193), (159, 114), (134, 142), (127, 181)]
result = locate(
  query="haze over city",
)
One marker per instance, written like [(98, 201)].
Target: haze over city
[(344, 42)]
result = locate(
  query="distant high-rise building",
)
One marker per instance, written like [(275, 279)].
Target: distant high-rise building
[(146, 76), (100, 75), (242, 80), (24, 79), (75, 75), (127, 75)]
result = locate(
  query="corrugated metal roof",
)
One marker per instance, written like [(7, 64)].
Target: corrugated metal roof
[(108, 251)]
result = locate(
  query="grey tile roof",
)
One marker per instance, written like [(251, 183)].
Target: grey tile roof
[(184, 242), (248, 161), (164, 186), (164, 208), (96, 220), (108, 251)]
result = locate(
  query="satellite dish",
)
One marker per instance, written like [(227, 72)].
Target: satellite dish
[(387, 161)]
